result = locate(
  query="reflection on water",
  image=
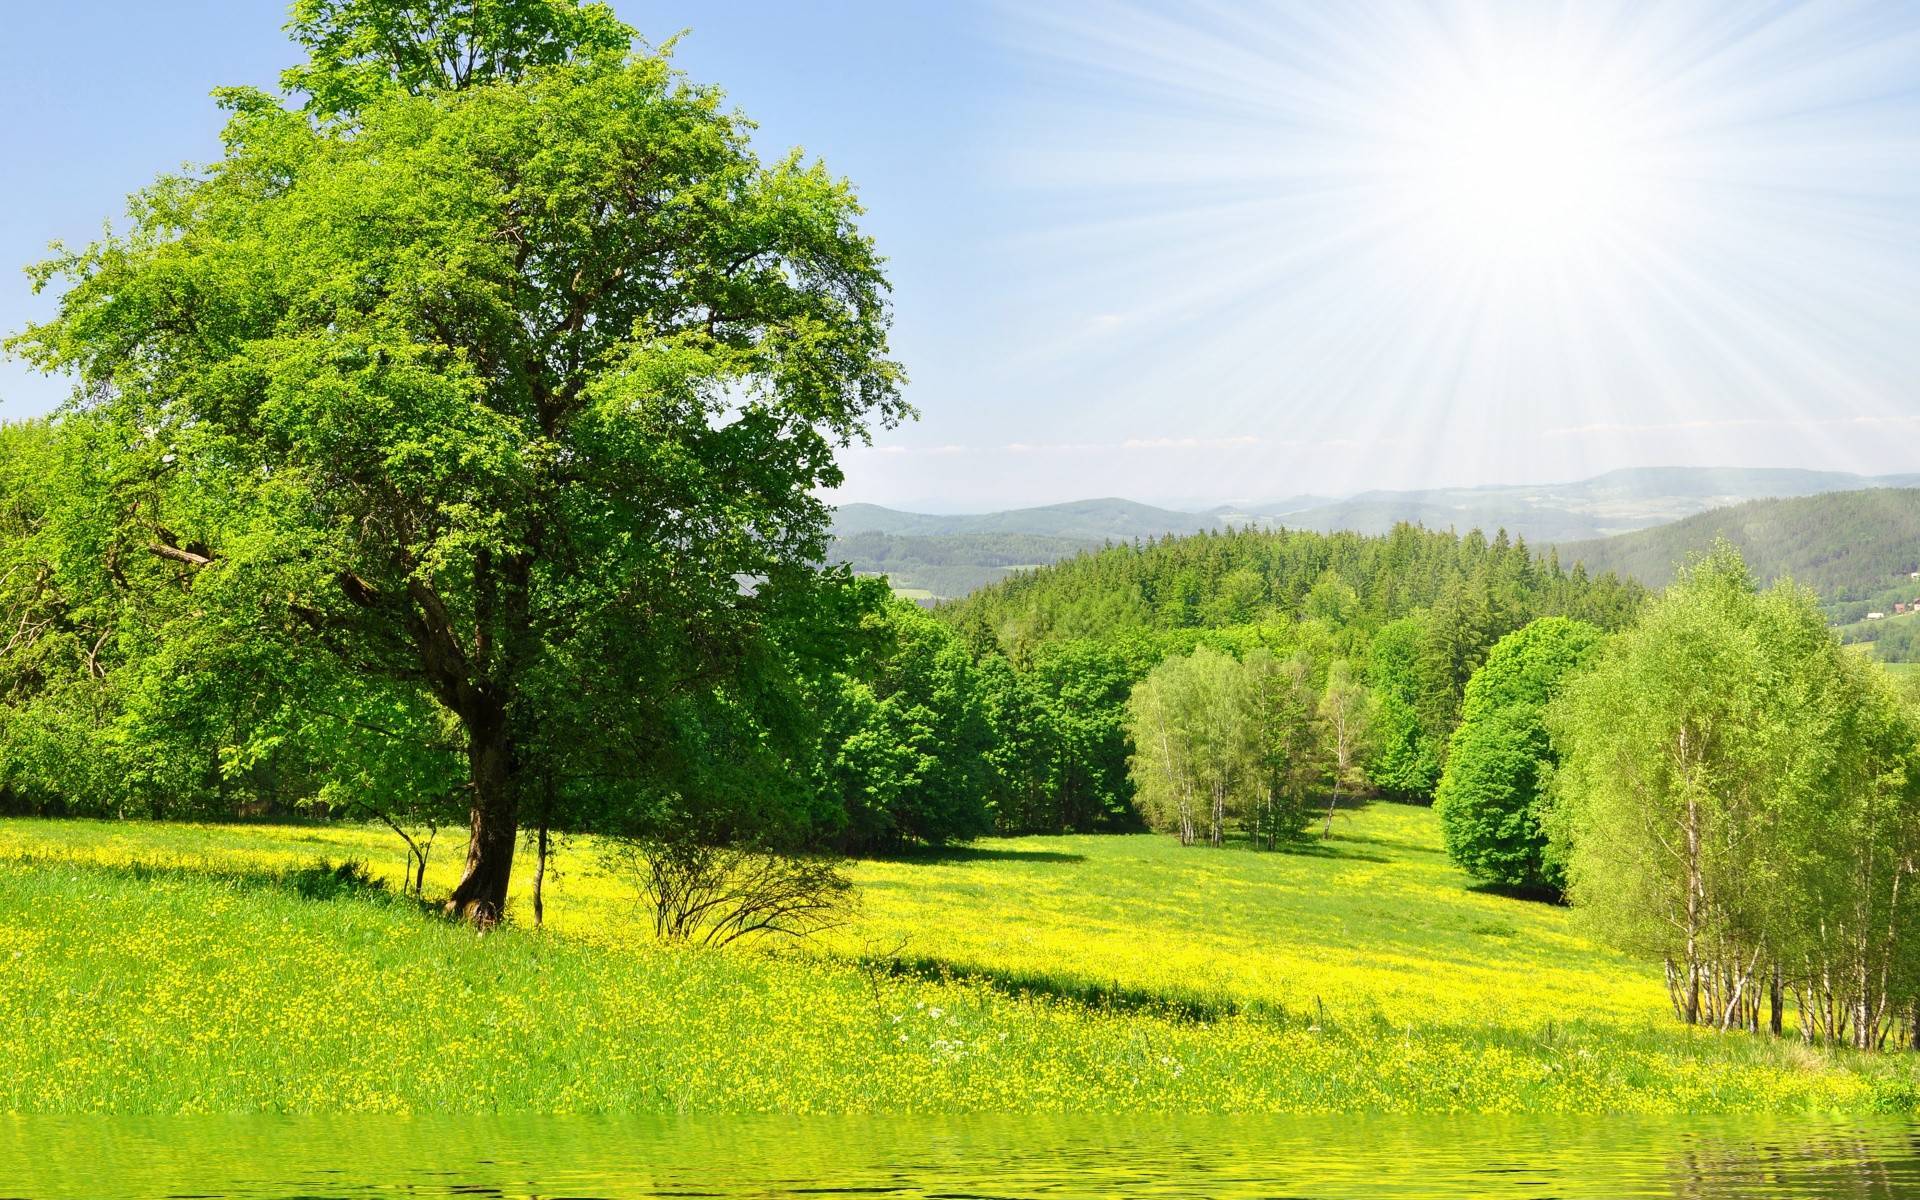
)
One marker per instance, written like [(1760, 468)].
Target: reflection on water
[(311, 1158)]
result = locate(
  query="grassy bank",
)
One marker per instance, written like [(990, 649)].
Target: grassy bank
[(174, 968)]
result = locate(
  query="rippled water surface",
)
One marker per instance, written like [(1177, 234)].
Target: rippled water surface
[(988, 1157)]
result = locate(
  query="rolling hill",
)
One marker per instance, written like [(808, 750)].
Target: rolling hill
[(1856, 549), (944, 556), (1078, 520), (1616, 502)]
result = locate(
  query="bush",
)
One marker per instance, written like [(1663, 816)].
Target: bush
[(1491, 798), (714, 895)]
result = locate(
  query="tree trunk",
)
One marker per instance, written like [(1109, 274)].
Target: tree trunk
[(540, 862), (1693, 907), (493, 821), (1775, 1004), (539, 880)]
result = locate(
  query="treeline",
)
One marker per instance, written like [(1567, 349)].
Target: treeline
[(1252, 740), (864, 724), (1364, 643), (852, 722), (1894, 638), (1353, 582), (1721, 787)]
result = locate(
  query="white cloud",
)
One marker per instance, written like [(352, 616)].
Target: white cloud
[(1853, 422), (1190, 443)]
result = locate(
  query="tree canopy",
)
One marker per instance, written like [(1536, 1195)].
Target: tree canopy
[(1740, 798), (1492, 798), (508, 396)]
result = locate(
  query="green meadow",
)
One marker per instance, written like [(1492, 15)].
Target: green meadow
[(175, 968)]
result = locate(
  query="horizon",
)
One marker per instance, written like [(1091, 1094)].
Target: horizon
[(1200, 506), (1321, 249)]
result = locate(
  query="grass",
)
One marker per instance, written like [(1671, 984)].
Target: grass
[(169, 968), (1374, 923)]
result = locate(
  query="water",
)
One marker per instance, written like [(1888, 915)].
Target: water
[(1563, 1158)]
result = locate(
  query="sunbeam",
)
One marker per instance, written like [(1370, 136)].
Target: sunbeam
[(1445, 231)]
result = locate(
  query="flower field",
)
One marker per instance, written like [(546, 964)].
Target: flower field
[(208, 969)]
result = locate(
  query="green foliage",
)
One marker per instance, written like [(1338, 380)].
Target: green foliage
[(476, 403), (1219, 739), (1412, 612), (1741, 795), (1407, 754), (909, 738), (1345, 581), (359, 48), (1492, 798), (1083, 687)]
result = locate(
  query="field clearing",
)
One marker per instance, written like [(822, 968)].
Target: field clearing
[(1371, 922), (149, 967), (1374, 922)]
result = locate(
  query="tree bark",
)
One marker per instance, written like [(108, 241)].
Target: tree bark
[(1775, 1003), (540, 849), (493, 820)]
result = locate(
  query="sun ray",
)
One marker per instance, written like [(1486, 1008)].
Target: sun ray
[(1454, 229)]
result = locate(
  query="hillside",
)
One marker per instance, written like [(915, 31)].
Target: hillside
[(949, 556), (1348, 580), (1855, 549), (952, 565), (1092, 974)]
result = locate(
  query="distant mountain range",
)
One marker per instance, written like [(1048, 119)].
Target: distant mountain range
[(934, 556), (1083, 520)]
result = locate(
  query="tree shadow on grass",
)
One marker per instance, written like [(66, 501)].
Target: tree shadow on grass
[(321, 881), (1027, 985), (1320, 847), (964, 854), (1536, 895)]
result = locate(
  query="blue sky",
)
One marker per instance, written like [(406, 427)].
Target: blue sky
[(1222, 251)]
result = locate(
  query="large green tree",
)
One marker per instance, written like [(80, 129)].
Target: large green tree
[(1407, 755), (1492, 798), (908, 736), (501, 371), (1678, 761)]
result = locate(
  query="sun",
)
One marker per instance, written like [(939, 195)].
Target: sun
[(1521, 162)]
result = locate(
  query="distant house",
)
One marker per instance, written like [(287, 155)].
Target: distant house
[(1876, 616)]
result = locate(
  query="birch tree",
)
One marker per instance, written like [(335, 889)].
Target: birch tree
[(1343, 724), (1739, 801)]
